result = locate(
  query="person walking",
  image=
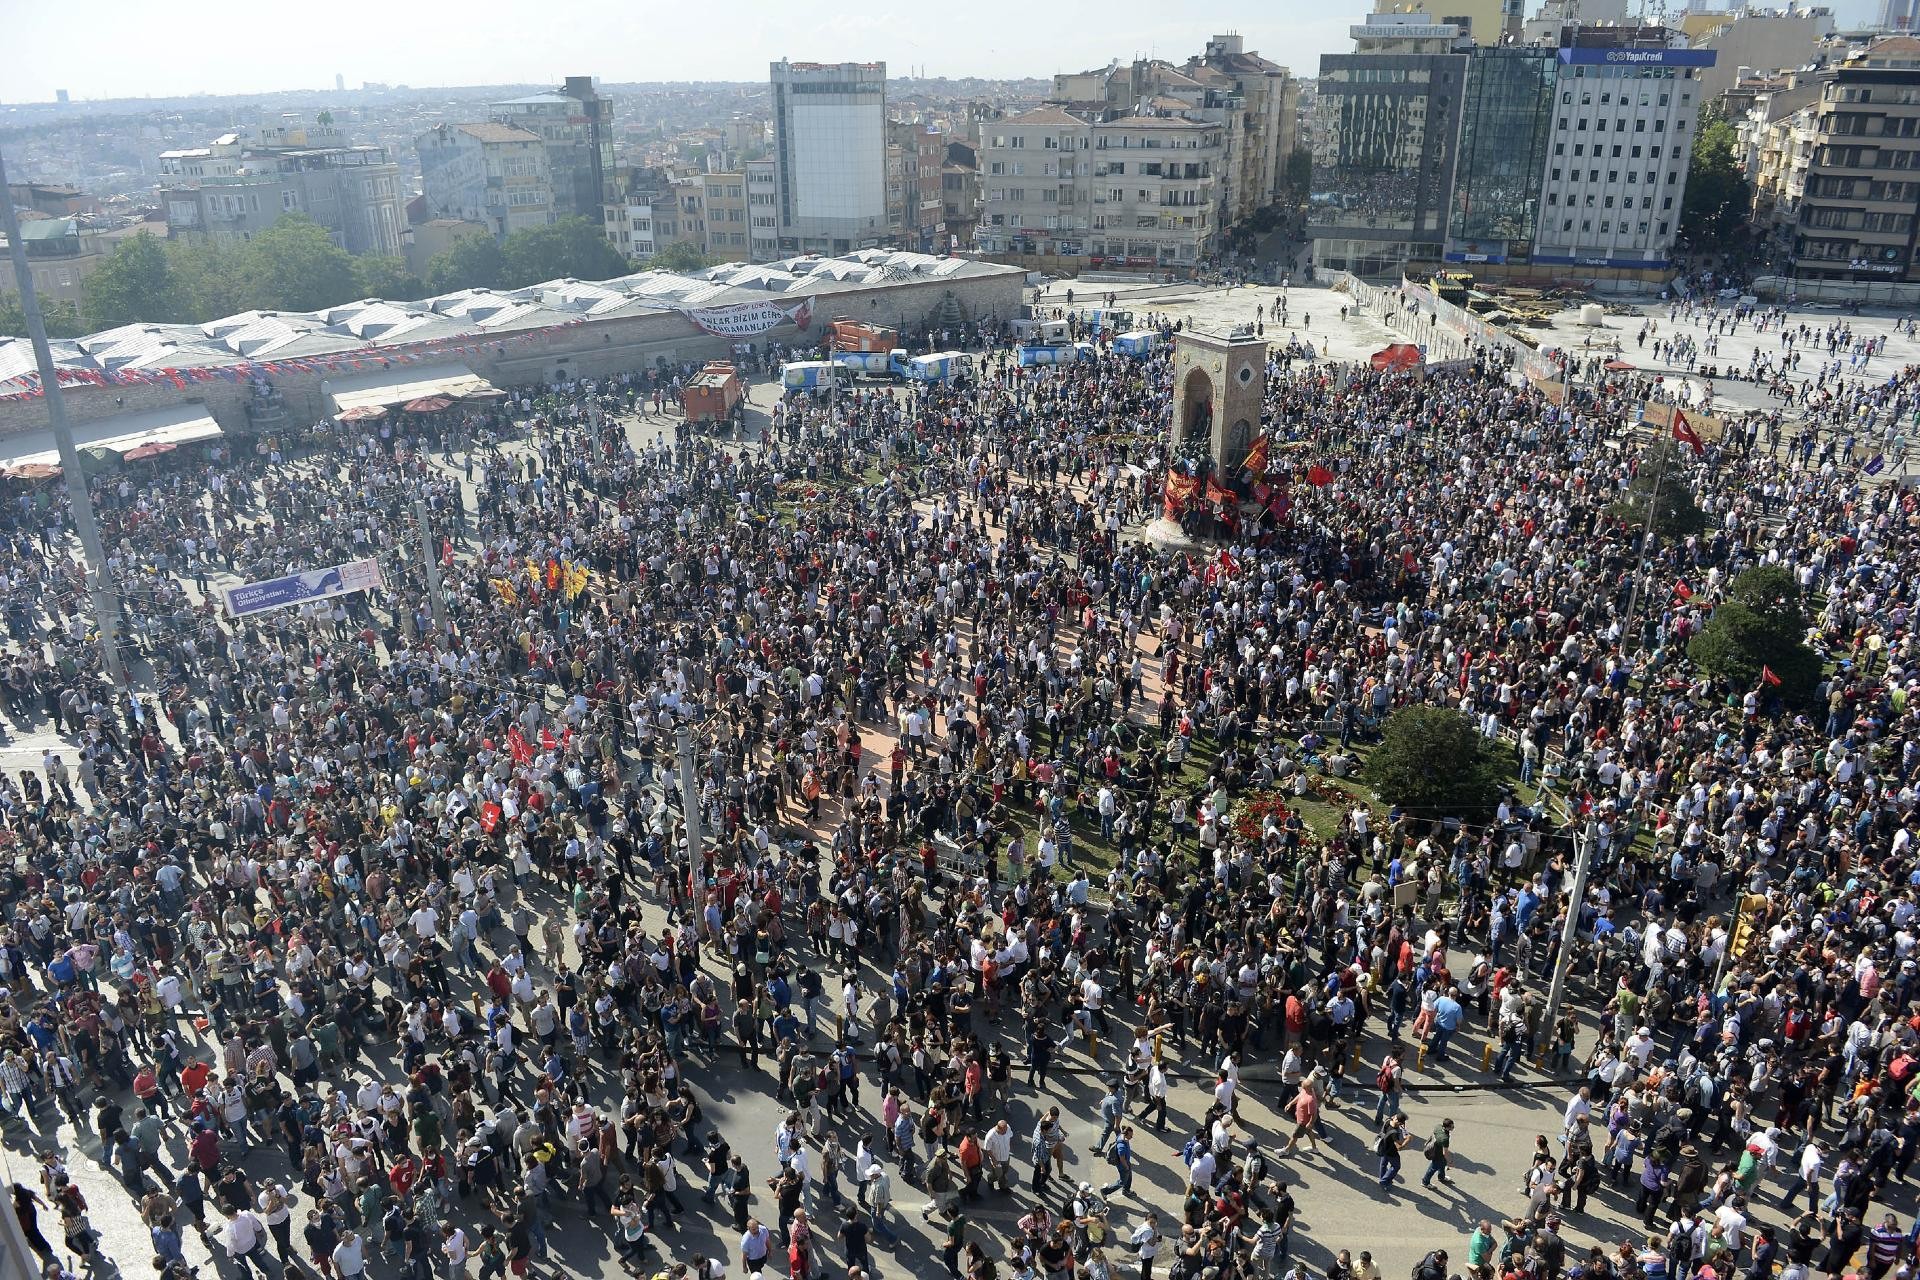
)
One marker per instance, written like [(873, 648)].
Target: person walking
[(1392, 1141), (1439, 1154)]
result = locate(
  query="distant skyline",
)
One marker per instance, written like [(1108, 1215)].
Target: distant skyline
[(130, 50)]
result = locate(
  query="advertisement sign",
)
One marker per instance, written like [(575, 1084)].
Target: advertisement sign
[(301, 588), (1638, 57), (748, 319)]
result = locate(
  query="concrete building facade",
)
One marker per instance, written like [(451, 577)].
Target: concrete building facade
[(1139, 191), (763, 210), (1857, 217), (576, 123), (724, 205), (492, 173), (241, 183)]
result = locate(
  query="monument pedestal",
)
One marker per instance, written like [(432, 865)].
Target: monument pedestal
[(1169, 536)]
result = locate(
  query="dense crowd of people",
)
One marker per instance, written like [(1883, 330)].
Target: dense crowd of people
[(350, 920)]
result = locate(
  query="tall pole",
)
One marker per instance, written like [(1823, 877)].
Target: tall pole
[(435, 595), (1641, 569), (106, 612), (690, 811), (1556, 992)]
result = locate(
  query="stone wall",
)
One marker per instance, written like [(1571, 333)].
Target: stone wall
[(591, 350)]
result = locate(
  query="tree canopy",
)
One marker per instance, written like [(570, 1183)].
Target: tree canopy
[(571, 247), (1677, 515), (136, 283), (294, 266), (1719, 196), (470, 262), (1760, 625), (1434, 762), (62, 318), (679, 256)]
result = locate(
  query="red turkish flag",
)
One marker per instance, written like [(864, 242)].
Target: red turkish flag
[(1318, 475), (1683, 432)]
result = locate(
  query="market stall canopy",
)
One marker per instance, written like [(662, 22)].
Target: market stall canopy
[(428, 404), (122, 433), (1398, 356), (1618, 366), (397, 386)]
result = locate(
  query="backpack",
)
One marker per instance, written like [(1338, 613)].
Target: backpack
[(1383, 1079)]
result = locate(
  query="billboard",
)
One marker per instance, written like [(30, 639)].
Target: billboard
[(1576, 56), (748, 319), (301, 588)]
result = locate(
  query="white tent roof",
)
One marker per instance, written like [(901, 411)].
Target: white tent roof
[(401, 384), (174, 424)]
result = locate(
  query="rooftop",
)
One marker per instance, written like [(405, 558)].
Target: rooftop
[(372, 323), (1045, 115), (492, 131)]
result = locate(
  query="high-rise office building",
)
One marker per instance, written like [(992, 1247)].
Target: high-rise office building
[(830, 155), (1625, 104), (1386, 129)]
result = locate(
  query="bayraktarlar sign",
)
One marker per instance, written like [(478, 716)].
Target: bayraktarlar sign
[(748, 319)]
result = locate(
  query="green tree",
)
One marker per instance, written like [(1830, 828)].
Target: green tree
[(212, 279), (61, 318), (134, 283), (571, 247), (295, 266), (386, 277), (681, 256), (1435, 763), (1761, 624), (1299, 172), (1678, 515), (1718, 195), (470, 262)]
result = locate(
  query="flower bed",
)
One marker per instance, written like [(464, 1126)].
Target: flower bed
[(1249, 815)]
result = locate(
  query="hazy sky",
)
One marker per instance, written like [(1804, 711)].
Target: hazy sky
[(136, 47)]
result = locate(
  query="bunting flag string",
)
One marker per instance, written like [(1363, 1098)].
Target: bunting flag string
[(27, 385)]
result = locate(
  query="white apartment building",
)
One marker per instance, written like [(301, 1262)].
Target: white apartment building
[(1623, 125), (1140, 191)]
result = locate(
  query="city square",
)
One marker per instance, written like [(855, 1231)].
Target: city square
[(1208, 668)]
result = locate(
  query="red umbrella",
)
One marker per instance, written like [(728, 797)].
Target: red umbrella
[(1618, 366), (363, 413), (34, 471), (428, 404), (153, 450)]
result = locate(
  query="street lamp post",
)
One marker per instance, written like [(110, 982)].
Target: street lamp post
[(106, 609), (1569, 931)]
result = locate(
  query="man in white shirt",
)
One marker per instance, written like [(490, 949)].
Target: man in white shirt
[(998, 1148), (241, 1238)]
